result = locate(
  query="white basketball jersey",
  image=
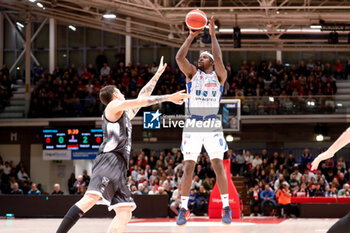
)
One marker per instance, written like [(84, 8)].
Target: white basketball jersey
[(206, 91)]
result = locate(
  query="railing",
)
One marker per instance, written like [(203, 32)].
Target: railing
[(250, 106), (293, 105)]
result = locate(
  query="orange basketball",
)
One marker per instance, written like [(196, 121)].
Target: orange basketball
[(196, 20)]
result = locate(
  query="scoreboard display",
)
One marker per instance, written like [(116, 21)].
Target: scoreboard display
[(72, 139)]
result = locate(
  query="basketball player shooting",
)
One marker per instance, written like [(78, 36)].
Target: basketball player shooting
[(343, 225), (205, 86), (108, 185)]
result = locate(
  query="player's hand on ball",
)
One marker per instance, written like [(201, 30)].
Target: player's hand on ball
[(195, 33), (161, 66), (212, 26), (178, 97)]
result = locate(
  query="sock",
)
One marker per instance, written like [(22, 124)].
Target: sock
[(224, 198), (72, 216), (184, 202)]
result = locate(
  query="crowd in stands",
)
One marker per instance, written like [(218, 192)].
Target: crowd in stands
[(272, 178), (275, 179), (73, 91), (15, 180)]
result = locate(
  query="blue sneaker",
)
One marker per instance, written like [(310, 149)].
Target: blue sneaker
[(227, 218), (184, 215)]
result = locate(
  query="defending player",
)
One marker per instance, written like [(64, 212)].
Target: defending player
[(205, 85), (108, 185), (343, 225)]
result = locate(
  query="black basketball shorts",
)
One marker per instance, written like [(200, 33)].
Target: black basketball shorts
[(110, 182)]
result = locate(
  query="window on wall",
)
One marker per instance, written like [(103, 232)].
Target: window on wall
[(76, 38), (19, 43), (254, 56), (76, 57), (43, 58), (308, 55), (146, 56), (328, 57), (91, 56), (134, 57), (269, 56), (290, 58), (61, 36), (111, 39), (93, 38), (236, 58), (9, 58), (62, 58), (166, 52), (10, 36), (344, 57), (42, 39), (110, 54)]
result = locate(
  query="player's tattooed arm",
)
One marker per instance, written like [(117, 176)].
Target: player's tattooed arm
[(148, 88), (116, 107), (342, 141), (217, 54)]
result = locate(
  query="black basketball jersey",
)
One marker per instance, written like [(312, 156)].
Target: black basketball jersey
[(117, 137)]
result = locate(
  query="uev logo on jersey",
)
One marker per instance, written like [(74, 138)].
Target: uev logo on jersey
[(205, 93), (151, 120)]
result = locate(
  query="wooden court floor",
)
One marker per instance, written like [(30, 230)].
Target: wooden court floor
[(200, 225)]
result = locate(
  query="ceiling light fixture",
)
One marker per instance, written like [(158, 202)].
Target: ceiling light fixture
[(71, 27), (20, 25), (109, 16)]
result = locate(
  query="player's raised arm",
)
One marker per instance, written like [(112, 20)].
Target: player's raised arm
[(342, 141), (148, 88), (215, 48), (185, 66), (117, 106)]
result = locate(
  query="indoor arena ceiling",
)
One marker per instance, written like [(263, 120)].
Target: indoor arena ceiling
[(265, 24)]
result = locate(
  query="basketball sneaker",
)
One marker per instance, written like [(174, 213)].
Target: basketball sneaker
[(184, 215), (227, 218)]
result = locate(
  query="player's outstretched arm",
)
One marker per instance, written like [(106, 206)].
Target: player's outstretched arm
[(342, 141), (185, 66), (148, 88), (215, 48), (116, 107)]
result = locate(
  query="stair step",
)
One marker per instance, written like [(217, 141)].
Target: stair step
[(343, 83), (20, 90), (14, 109), (343, 91), (22, 102), (18, 96), (19, 82), (4, 115)]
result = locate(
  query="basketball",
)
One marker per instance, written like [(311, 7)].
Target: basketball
[(196, 20)]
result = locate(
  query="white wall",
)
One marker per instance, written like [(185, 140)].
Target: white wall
[(82, 164), (49, 172), (11, 152)]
